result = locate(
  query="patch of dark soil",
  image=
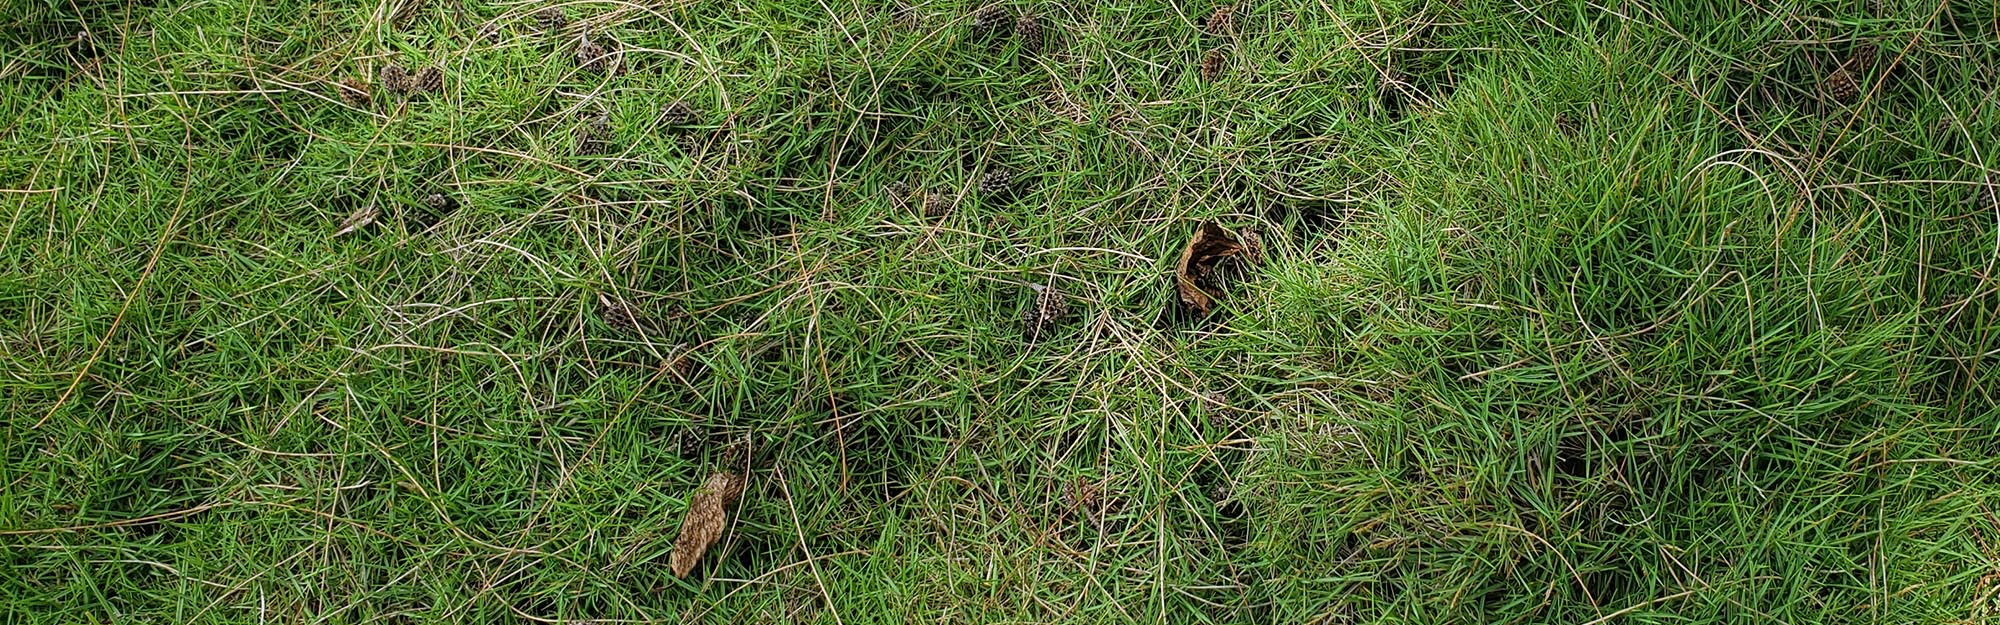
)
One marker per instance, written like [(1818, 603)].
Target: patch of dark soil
[(1419, 73), (427, 211), (1232, 518), (882, 455), (1306, 220)]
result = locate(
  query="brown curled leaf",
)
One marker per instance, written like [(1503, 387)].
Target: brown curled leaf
[(707, 516), (1193, 276)]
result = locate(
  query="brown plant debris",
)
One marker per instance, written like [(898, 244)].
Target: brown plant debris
[(677, 113), (395, 79), (1843, 84), (1194, 276), (1212, 64), (355, 92), (1028, 30), (936, 205), (594, 57), (1222, 21), (617, 312), (428, 80), (736, 452), (905, 15), (990, 19), (1045, 312), (1987, 602), (552, 19), (901, 194), (360, 218), (996, 181), (707, 516), (1082, 495), (594, 136), (1253, 246), (82, 46)]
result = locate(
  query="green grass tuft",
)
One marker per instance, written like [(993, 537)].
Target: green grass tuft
[(1574, 312)]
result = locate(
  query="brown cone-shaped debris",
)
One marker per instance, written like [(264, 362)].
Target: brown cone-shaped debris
[(1222, 21), (1028, 30), (1212, 64), (899, 194), (595, 136), (707, 516), (395, 79), (617, 312), (1048, 309), (355, 92), (1253, 246), (677, 113), (553, 18), (592, 56), (428, 80), (1846, 83), (990, 18), (936, 204), (996, 181)]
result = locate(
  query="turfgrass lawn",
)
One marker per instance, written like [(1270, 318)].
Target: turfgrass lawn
[(1619, 311)]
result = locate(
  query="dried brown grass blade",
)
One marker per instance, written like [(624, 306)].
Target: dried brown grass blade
[(359, 219)]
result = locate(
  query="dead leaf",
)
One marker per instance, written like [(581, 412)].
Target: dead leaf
[(359, 219), (708, 514), (1193, 277)]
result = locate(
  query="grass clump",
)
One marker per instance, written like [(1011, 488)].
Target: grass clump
[(1571, 312)]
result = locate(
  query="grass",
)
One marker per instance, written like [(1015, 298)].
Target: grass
[(1574, 312)]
